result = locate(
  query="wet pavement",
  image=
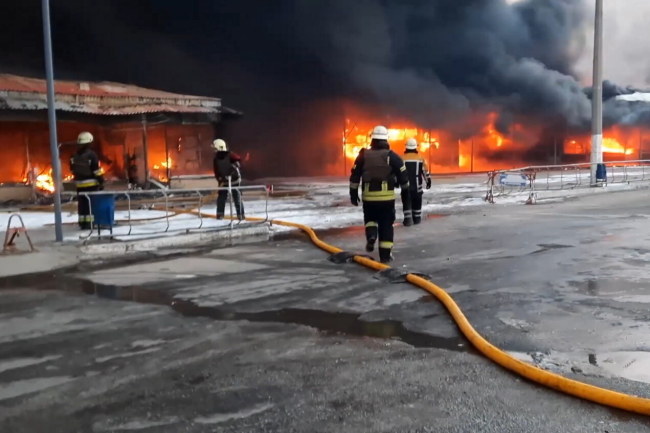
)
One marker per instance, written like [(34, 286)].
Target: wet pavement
[(274, 337)]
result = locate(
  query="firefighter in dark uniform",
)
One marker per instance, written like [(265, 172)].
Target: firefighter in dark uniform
[(379, 170), (418, 178), (226, 165), (88, 177)]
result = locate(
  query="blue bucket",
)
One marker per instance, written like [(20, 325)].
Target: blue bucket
[(601, 173), (103, 208)]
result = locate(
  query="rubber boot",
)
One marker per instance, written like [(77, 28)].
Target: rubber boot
[(371, 238), (417, 220), (385, 255)]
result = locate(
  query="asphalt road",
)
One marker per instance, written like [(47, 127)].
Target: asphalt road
[(273, 337)]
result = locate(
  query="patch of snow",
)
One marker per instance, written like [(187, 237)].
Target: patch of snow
[(29, 386), (15, 363), (223, 417), (126, 355)]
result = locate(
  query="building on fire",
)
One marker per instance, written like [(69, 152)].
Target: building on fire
[(142, 135)]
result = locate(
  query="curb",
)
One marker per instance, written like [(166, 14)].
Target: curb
[(222, 237)]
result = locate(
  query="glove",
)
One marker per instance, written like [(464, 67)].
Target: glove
[(408, 222), (354, 197), (428, 183)]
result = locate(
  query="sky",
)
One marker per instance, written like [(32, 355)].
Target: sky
[(626, 43)]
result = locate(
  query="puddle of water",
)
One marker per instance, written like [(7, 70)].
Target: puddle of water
[(549, 247), (617, 289), (327, 322), (331, 323)]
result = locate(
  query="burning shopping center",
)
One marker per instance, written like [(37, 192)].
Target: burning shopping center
[(142, 135), (482, 144)]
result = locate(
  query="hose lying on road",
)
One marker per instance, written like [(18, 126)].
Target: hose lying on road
[(572, 387)]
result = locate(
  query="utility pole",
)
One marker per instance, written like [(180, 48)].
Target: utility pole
[(345, 145), (51, 116), (429, 150), (598, 173), (471, 169)]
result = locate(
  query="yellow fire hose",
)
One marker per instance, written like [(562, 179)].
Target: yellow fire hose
[(606, 397)]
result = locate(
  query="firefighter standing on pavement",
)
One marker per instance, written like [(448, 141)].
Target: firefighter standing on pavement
[(379, 170), (88, 177), (226, 166), (418, 177)]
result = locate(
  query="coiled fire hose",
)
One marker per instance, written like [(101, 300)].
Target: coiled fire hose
[(585, 391)]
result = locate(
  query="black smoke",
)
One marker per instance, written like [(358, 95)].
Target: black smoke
[(289, 64)]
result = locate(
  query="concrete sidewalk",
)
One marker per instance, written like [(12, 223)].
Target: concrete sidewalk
[(51, 255)]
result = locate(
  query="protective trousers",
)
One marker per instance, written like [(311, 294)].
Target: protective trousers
[(222, 197), (379, 217), (416, 207), (83, 207)]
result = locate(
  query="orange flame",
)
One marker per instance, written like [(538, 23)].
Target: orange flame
[(44, 181), (495, 138), (163, 164), (612, 145), (352, 145)]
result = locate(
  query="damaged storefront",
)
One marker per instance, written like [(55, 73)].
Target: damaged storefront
[(144, 137)]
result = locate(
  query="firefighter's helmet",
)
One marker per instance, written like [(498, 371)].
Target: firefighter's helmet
[(411, 144), (85, 138), (379, 133), (219, 145)]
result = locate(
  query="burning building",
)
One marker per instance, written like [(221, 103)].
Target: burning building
[(141, 135), (482, 141)]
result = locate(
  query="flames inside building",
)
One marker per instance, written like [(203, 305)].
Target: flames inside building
[(485, 147), (141, 135)]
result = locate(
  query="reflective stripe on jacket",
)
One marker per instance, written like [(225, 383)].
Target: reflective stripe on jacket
[(86, 183)]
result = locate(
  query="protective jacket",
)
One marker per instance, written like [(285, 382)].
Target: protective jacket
[(227, 164), (379, 170), (85, 169), (417, 171)]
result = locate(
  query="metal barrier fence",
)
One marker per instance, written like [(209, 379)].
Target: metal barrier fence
[(561, 177), (195, 197)]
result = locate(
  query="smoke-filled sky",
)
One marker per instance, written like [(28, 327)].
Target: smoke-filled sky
[(288, 64), (627, 38)]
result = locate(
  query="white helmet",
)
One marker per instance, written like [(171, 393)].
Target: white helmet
[(411, 144), (219, 145), (85, 138), (379, 133)]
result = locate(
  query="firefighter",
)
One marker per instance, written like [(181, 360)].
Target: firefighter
[(379, 170), (226, 166), (88, 177), (418, 178)]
